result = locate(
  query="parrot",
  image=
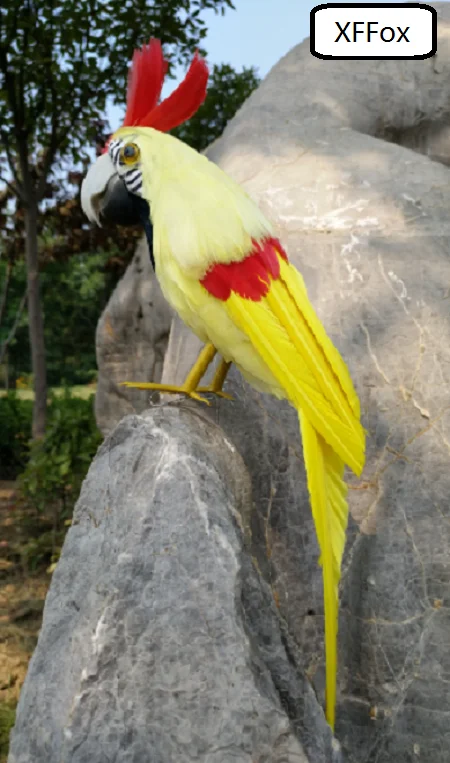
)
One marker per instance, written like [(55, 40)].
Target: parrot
[(224, 271)]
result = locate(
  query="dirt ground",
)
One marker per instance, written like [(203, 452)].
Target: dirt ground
[(22, 595)]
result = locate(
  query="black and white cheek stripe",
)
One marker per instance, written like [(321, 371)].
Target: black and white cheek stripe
[(133, 179), (114, 150), (132, 176)]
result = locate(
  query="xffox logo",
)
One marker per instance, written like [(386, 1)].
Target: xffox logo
[(374, 30)]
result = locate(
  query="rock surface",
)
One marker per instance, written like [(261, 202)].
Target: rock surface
[(131, 341), (149, 651), (366, 221), (326, 148)]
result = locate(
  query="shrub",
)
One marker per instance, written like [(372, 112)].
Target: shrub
[(59, 462), (7, 719), (50, 471), (15, 432)]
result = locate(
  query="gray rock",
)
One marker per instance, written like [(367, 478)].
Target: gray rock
[(160, 641), (131, 341), (325, 147), (366, 221)]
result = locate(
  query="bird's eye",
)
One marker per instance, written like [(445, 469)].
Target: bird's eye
[(129, 154)]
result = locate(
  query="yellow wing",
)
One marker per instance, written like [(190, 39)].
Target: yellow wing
[(289, 337)]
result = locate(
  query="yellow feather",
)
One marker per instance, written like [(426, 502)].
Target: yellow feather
[(328, 491), (287, 334), (304, 373), (296, 286), (201, 217)]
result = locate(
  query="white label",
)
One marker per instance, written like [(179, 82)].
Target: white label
[(373, 30)]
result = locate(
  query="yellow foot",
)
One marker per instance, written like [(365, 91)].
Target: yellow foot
[(217, 392), (169, 389)]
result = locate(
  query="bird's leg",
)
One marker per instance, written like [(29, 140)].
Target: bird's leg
[(189, 387), (217, 383)]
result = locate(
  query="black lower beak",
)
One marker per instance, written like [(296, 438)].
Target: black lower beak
[(120, 207)]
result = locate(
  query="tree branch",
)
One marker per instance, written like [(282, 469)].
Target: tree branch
[(13, 30), (9, 85), (14, 328), (46, 41), (52, 147), (5, 291), (11, 187), (5, 142), (19, 129), (77, 110), (23, 66), (50, 150)]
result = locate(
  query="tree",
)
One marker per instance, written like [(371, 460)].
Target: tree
[(63, 235), (60, 61), (227, 91), (68, 247)]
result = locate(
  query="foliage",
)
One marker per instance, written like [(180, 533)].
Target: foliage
[(54, 468), (86, 281), (60, 62), (227, 91), (15, 432), (42, 548), (7, 720), (59, 462), (74, 294), (63, 229)]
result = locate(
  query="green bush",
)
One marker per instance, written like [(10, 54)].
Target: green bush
[(58, 463), (49, 472), (7, 720), (15, 432)]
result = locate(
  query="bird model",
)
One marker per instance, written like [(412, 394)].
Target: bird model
[(229, 278)]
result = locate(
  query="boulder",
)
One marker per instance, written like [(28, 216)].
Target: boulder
[(349, 160), (160, 641), (131, 341)]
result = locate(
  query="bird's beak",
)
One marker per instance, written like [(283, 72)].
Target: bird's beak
[(105, 198)]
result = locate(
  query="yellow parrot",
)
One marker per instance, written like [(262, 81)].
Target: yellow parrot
[(228, 277)]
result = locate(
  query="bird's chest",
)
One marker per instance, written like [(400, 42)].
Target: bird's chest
[(205, 315), (185, 295)]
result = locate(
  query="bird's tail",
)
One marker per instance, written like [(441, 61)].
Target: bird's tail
[(328, 491), (291, 340)]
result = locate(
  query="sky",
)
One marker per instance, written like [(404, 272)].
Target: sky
[(258, 33)]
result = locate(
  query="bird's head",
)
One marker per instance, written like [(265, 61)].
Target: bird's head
[(148, 177), (117, 186)]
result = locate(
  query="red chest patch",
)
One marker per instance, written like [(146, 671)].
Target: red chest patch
[(250, 278)]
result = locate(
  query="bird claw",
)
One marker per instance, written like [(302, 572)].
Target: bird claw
[(195, 396), (218, 392), (166, 389)]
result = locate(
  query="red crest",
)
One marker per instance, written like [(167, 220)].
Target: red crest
[(145, 82)]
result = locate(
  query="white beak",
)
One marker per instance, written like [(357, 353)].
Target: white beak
[(94, 186)]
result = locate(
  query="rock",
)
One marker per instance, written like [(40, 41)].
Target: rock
[(160, 640), (131, 341), (325, 148)]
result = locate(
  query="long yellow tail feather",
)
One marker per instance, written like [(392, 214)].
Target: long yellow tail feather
[(291, 340), (328, 492)]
